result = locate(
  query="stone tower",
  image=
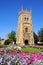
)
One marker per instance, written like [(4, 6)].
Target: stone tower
[(25, 31)]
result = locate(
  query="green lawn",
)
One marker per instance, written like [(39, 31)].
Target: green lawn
[(27, 49)]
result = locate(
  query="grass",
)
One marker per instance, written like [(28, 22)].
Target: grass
[(27, 49)]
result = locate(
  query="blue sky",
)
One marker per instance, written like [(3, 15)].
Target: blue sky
[(9, 14)]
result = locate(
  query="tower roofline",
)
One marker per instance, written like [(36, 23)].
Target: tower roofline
[(24, 11)]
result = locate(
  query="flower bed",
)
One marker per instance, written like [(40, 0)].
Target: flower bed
[(21, 57), (29, 57)]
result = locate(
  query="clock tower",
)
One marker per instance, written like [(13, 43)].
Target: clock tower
[(25, 30)]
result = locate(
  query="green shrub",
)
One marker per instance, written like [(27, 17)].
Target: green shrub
[(7, 42), (3, 46)]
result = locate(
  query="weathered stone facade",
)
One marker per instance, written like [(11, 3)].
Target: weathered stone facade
[(25, 31)]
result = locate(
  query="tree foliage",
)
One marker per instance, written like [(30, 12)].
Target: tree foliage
[(7, 42), (12, 36), (35, 38), (40, 35)]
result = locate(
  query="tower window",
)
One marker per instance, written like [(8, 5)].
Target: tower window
[(26, 29), (25, 18)]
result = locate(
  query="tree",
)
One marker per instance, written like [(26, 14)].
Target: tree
[(0, 38), (40, 35), (12, 36), (7, 42), (35, 38)]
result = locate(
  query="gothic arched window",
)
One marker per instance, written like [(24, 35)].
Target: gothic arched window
[(26, 29), (26, 19)]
